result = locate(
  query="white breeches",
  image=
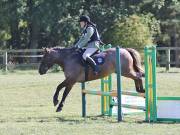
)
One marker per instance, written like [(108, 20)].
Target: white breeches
[(89, 52)]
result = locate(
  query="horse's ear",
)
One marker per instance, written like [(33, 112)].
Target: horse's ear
[(46, 50)]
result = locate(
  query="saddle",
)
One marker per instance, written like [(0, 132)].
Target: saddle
[(97, 57)]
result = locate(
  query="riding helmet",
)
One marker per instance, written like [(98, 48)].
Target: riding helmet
[(84, 18)]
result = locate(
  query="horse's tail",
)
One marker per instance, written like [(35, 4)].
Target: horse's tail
[(136, 60)]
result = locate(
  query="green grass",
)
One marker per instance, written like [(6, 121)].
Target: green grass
[(26, 107)]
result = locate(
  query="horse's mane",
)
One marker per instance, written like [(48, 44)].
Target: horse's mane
[(63, 48), (66, 50)]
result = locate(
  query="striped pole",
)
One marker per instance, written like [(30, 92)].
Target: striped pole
[(146, 82), (154, 83), (106, 86), (150, 83)]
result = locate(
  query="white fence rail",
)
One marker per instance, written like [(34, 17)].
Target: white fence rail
[(167, 61), (10, 58)]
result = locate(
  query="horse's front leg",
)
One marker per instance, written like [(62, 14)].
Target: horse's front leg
[(66, 92), (56, 94)]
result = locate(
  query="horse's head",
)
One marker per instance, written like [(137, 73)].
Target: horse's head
[(46, 62)]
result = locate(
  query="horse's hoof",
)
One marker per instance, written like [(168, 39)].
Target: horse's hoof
[(55, 101), (58, 109), (141, 91)]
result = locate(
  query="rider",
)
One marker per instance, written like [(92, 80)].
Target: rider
[(90, 40)]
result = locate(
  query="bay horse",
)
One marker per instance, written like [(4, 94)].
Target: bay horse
[(70, 61)]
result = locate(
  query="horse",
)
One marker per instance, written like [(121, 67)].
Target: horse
[(70, 60)]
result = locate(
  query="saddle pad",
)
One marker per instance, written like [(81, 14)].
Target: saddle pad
[(99, 60)]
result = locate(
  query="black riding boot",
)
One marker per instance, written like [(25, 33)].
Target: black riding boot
[(93, 64)]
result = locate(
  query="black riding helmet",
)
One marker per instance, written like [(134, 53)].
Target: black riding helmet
[(84, 18)]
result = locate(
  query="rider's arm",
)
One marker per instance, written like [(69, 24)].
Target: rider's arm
[(85, 38)]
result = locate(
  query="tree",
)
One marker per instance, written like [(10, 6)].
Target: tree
[(37, 23), (131, 32)]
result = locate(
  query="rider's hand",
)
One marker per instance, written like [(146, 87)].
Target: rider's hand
[(77, 48)]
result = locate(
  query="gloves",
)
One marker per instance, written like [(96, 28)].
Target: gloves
[(76, 48)]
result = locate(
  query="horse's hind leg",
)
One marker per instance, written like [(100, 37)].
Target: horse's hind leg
[(137, 77), (139, 85)]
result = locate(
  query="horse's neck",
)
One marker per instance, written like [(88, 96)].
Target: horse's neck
[(64, 56)]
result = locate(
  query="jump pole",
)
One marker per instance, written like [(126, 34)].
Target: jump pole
[(150, 83), (118, 73), (83, 86), (106, 87)]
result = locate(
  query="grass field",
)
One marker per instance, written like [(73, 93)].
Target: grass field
[(26, 108)]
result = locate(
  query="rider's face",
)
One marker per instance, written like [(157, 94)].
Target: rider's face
[(82, 24)]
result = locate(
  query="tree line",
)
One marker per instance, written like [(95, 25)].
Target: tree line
[(46, 23)]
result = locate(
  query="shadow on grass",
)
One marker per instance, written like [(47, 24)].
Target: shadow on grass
[(71, 120), (68, 120), (101, 119), (162, 122), (168, 72), (30, 119)]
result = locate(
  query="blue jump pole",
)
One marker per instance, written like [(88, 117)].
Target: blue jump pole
[(83, 100), (118, 72)]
